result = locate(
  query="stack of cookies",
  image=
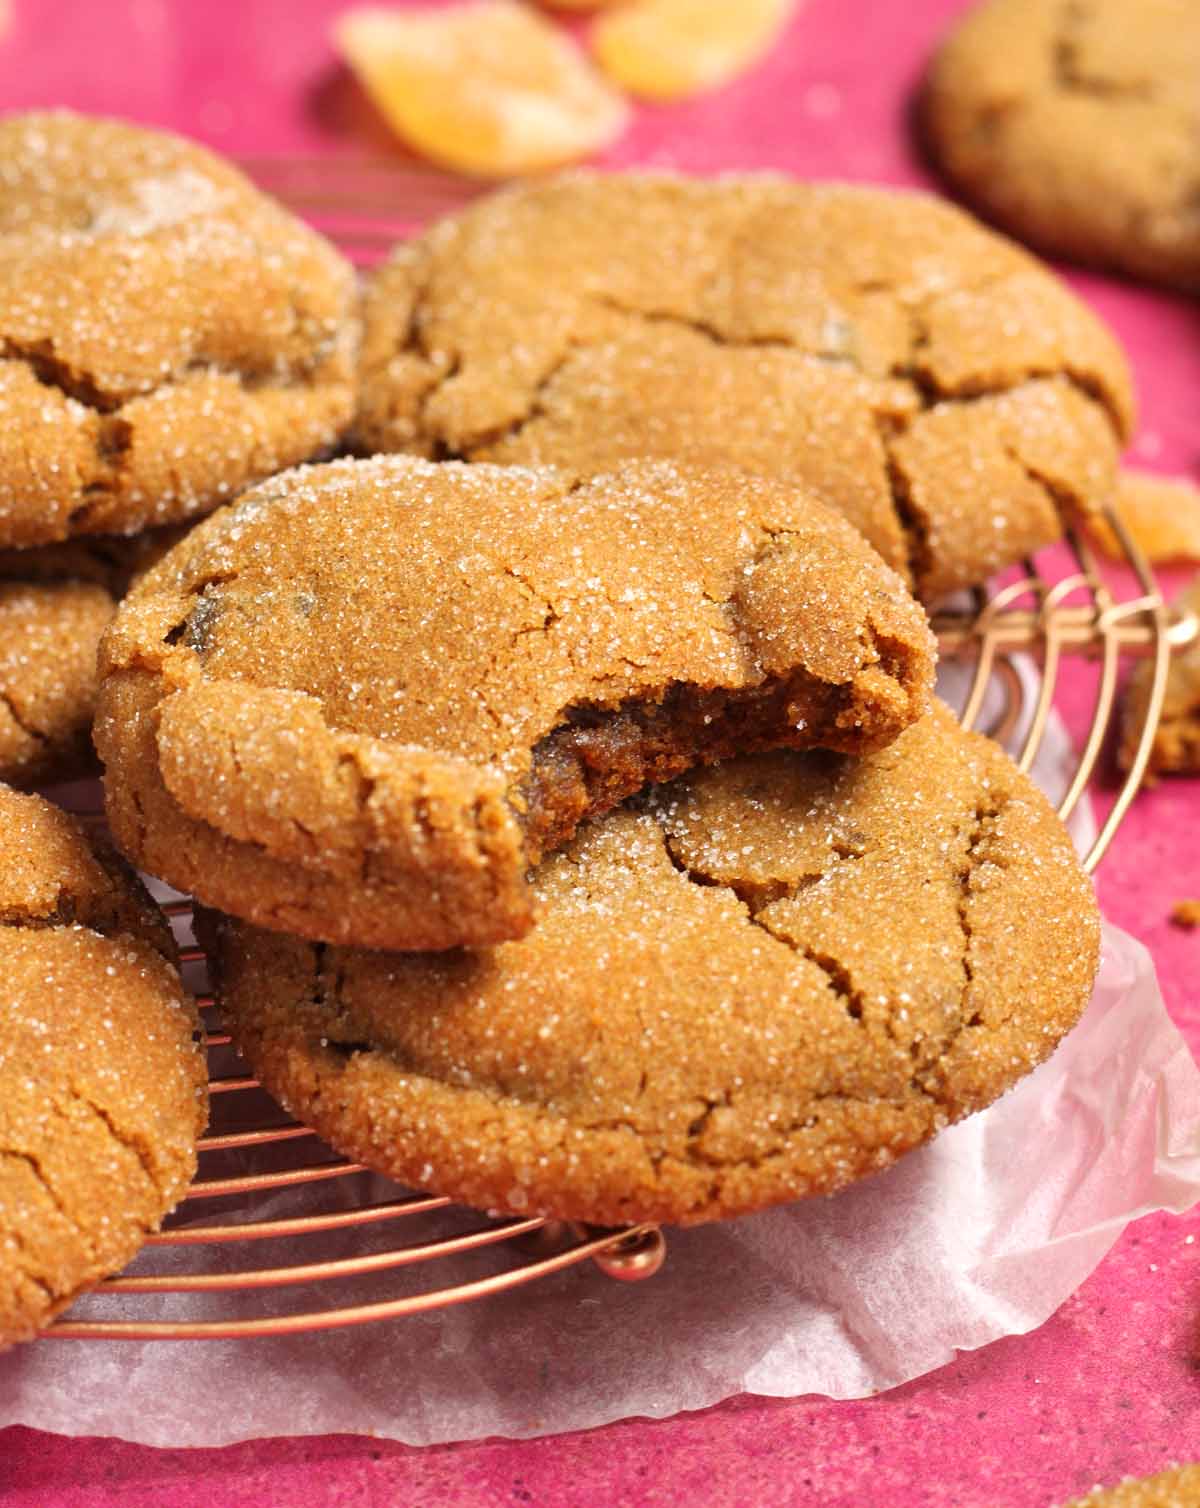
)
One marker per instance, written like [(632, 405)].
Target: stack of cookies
[(559, 775), (538, 892), (583, 837), (169, 336)]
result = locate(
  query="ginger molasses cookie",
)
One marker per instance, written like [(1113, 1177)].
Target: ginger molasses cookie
[(102, 1088), (360, 702), (167, 333), (1075, 127), (932, 381), (55, 602), (763, 982)]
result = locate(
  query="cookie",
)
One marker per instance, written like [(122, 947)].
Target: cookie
[(773, 978), (1075, 126), (360, 702), (55, 602), (1176, 746), (102, 1087), (1178, 1488), (934, 383), (167, 333)]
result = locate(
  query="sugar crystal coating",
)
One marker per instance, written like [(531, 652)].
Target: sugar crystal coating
[(167, 333)]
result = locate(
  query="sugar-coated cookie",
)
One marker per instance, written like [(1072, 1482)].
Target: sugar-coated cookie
[(929, 379), (360, 702), (1074, 125), (102, 1087), (168, 334), (55, 602)]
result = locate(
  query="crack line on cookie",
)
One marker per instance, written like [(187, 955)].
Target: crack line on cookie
[(35, 1167), (907, 369), (8, 702), (983, 827), (757, 896), (123, 1139)]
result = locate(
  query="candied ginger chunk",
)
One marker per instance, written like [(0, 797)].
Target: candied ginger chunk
[(489, 87), (669, 49), (1162, 514)]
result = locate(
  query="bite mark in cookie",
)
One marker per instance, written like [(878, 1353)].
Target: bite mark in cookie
[(361, 702)]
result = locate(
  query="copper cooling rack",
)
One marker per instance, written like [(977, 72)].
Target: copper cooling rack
[(347, 1246)]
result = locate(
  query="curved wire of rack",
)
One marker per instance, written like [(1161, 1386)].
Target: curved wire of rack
[(246, 1166)]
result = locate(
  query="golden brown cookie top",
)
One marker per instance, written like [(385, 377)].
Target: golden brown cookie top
[(102, 1089), (793, 329), (465, 608), (162, 324), (508, 641), (770, 979), (1075, 126)]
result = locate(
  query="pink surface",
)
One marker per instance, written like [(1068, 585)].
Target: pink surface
[(1110, 1385)]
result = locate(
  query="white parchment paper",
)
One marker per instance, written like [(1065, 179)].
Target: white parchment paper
[(982, 1234)]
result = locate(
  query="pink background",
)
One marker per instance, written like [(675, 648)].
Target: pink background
[(1111, 1384)]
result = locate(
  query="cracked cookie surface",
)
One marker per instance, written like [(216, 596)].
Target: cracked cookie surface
[(761, 982), (168, 334), (930, 380), (361, 701), (102, 1088), (1074, 123), (55, 602)]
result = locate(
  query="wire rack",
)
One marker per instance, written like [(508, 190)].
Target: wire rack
[(347, 1246)]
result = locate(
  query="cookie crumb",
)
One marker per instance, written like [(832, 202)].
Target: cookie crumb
[(1186, 914), (1176, 746)]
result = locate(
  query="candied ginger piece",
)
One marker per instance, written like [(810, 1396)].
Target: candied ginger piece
[(488, 87), (1162, 514), (669, 49)]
